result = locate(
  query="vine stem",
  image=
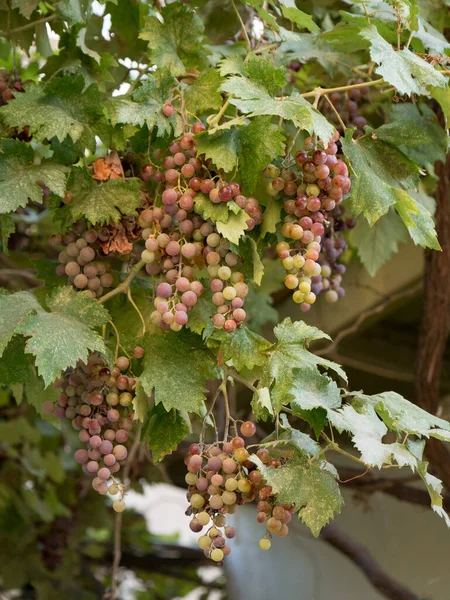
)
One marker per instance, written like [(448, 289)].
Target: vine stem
[(318, 92), (122, 287), (215, 120), (11, 32), (244, 30), (208, 414), (223, 387), (118, 517), (136, 308), (338, 116), (338, 449), (238, 378)]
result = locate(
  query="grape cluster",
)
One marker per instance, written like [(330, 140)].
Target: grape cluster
[(222, 478), (312, 192), (219, 479), (98, 403), (179, 242), (82, 260)]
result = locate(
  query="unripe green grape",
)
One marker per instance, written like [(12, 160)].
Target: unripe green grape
[(291, 282), (312, 190), (119, 506), (288, 263), (231, 484), (203, 517), (244, 486), (197, 501), (217, 555), (310, 298), (298, 297), (237, 277), (264, 544), (213, 240), (213, 271), (229, 293), (213, 532), (224, 273), (304, 287), (113, 489), (125, 399), (331, 296), (190, 478), (216, 501), (204, 541), (112, 399), (299, 261), (229, 498), (148, 256), (271, 190)]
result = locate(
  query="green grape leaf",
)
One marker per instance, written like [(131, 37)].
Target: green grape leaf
[(203, 94), (265, 73), (379, 171), (14, 366), (140, 403), (7, 228), (18, 176), (62, 337), (26, 7), (146, 107), (258, 265), (99, 203), (403, 69), (164, 431), (367, 432), (376, 244), (190, 364), (232, 65), (253, 99), (260, 310), (300, 440), (258, 5), (434, 487), (244, 348), (235, 227), (248, 148), (312, 390), (405, 133), (59, 109), (209, 210), (316, 418), (175, 43), (418, 220), (401, 415), (271, 217), (14, 309), (200, 315), (309, 486), (290, 353), (262, 404), (81, 42), (299, 18)]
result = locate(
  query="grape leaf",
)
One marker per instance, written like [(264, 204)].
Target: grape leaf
[(140, 403), (312, 489), (300, 440), (59, 338), (434, 487), (262, 404), (26, 7), (81, 42), (248, 148), (259, 6), (58, 109), (99, 202), (209, 210), (177, 42), (146, 107), (379, 170), (14, 366), (300, 18), (18, 176), (405, 133), (290, 353), (164, 431), (190, 364), (311, 390), (232, 65), (244, 348), (235, 227), (418, 220), (200, 315), (13, 310), (376, 244), (7, 228), (401, 415), (253, 99), (271, 217), (265, 73), (203, 94), (403, 69)]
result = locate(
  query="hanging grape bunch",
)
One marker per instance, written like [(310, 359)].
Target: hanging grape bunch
[(98, 402), (219, 480), (82, 261), (178, 241), (348, 105), (312, 196)]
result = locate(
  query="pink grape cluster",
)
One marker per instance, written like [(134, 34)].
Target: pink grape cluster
[(179, 241), (219, 480), (311, 194), (82, 261), (98, 402)]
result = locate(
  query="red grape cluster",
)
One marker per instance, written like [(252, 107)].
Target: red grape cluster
[(219, 479), (82, 260), (179, 242), (98, 403), (347, 105), (311, 194)]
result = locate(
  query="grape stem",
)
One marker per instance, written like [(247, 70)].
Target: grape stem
[(228, 418), (333, 446), (244, 30), (338, 116), (215, 120), (118, 518), (238, 378), (318, 92), (122, 287), (11, 32), (208, 414), (136, 308)]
